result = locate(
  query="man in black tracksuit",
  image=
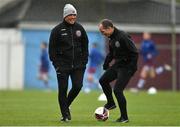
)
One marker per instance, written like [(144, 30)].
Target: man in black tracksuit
[(124, 52), (68, 51)]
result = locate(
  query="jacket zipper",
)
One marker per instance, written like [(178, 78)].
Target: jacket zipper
[(73, 48)]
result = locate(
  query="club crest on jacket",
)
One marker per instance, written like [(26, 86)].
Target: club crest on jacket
[(78, 33), (117, 44)]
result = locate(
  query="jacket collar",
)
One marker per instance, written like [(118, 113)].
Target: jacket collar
[(114, 33)]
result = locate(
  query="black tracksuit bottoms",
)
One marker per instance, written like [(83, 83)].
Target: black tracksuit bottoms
[(65, 99), (123, 76)]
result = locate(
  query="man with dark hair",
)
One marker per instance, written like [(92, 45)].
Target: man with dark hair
[(122, 49), (44, 65), (95, 60), (68, 50)]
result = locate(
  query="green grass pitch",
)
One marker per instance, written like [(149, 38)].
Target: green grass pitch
[(36, 108)]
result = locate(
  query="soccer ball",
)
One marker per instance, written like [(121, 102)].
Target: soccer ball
[(101, 114), (152, 90)]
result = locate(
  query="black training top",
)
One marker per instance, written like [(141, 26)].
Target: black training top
[(123, 50), (68, 46)]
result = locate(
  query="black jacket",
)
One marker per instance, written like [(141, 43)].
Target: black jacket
[(123, 50), (68, 46)]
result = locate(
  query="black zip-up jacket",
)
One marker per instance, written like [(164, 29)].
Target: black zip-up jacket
[(68, 46), (123, 50)]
